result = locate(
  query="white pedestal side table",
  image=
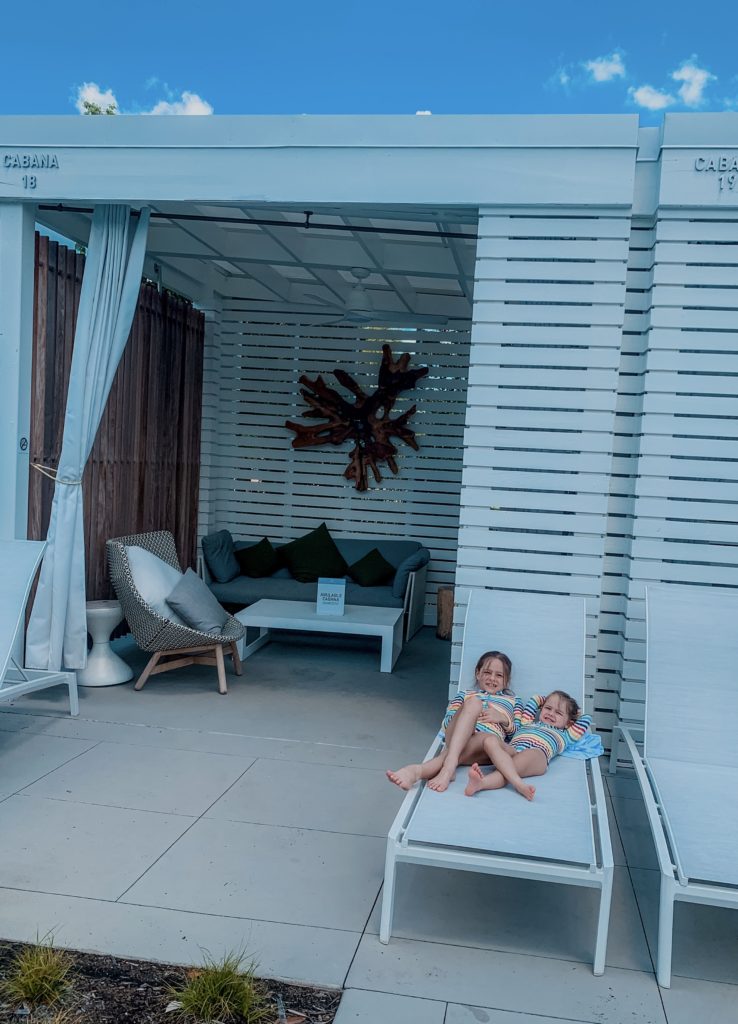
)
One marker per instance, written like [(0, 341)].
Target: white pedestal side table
[(104, 667)]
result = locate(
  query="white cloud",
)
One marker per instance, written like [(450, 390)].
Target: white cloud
[(694, 80), (604, 69), (189, 103), (650, 98), (423, 112), (90, 92)]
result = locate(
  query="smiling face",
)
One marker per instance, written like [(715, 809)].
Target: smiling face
[(555, 712), (492, 676)]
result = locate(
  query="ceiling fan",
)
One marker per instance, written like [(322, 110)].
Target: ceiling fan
[(358, 308)]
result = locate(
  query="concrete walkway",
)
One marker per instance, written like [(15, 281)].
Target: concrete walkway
[(173, 820)]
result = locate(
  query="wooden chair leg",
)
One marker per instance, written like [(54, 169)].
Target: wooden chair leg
[(152, 662), (236, 659), (220, 662)]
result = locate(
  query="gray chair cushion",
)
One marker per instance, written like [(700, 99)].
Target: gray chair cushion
[(154, 579), (218, 551), (193, 601), (414, 561)]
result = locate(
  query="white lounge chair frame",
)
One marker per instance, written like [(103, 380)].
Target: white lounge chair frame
[(679, 620), (20, 559), (516, 623)]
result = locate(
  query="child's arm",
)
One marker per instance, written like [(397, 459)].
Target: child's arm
[(578, 729), (526, 714)]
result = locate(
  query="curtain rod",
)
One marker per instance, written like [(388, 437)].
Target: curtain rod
[(263, 222)]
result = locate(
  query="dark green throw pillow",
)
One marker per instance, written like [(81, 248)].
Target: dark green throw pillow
[(258, 560), (313, 555), (372, 570)]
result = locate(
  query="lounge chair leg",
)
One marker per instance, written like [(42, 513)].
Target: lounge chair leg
[(236, 660), (603, 922), (73, 695), (220, 662), (151, 665), (388, 894), (666, 929)]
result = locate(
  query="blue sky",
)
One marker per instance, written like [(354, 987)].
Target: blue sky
[(374, 56)]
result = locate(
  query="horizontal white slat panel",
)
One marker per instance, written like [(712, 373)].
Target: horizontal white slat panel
[(549, 270), (255, 484)]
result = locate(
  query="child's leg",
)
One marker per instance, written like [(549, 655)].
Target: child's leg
[(406, 777), (464, 721), (522, 763)]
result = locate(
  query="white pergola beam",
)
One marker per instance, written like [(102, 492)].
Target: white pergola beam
[(17, 262)]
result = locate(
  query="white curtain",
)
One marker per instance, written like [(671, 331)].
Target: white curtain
[(57, 632)]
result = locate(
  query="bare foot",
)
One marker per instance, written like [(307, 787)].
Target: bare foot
[(441, 782), (405, 777), (475, 780), (525, 790)]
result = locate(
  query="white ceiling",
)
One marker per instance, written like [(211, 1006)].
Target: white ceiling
[(279, 266)]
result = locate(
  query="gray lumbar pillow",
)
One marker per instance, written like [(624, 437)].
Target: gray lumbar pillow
[(196, 605)]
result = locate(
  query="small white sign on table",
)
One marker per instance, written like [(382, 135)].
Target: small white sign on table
[(331, 596)]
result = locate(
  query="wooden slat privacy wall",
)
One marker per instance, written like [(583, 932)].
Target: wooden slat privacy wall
[(143, 471), (255, 484)]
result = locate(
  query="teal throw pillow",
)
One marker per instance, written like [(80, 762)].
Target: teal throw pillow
[(372, 570), (218, 551), (258, 560), (313, 555)]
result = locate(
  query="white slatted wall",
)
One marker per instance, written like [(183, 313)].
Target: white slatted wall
[(256, 484), (544, 364), (686, 509)]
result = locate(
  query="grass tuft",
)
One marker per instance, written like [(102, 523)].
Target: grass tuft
[(38, 976), (224, 991)]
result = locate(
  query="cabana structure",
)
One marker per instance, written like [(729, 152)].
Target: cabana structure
[(570, 281)]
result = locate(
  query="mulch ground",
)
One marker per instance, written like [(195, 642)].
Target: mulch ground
[(110, 990)]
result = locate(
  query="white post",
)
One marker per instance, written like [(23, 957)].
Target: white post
[(16, 347)]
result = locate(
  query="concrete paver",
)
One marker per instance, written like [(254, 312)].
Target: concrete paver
[(173, 820)]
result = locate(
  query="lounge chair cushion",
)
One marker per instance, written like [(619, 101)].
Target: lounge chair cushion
[(195, 603), (372, 570), (154, 579), (313, 556), (219, 554)]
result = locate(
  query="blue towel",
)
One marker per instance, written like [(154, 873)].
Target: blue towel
[(588, 746)]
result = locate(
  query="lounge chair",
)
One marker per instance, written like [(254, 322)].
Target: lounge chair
[(688, 772), (172, 644), (563, 835), (20, 559)]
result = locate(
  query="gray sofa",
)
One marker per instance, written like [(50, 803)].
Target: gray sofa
[(406, 591)]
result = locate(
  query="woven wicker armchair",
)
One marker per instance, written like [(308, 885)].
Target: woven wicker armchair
[(179, 645)]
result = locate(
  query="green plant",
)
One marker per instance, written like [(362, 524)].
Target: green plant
[(223, 990), (38, 976)]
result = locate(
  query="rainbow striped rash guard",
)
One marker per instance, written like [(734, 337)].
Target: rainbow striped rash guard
[(532, 734)]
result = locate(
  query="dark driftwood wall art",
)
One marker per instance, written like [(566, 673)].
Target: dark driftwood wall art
[(366, 421)]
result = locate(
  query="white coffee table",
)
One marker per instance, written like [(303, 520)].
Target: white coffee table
[(357, 620)]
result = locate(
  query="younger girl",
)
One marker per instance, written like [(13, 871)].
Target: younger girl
[(488, 710), (546, 726)]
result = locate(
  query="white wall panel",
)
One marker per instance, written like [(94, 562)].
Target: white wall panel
[(685, 525), (542, 405)]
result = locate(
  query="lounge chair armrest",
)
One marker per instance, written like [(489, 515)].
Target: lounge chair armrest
[(666, 861)]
